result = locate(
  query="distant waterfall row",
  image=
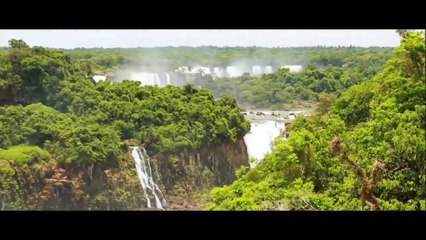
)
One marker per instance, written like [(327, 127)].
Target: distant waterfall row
[(150, 188), (187, 74), (235, 71), (159, 79)]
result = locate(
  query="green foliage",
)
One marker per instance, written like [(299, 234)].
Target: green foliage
[(31, 75), (327, 69), (80, 122), (283, 88), (107, 60), (412, 56), (50, 108), (23, 154), (380, 119), (325, 102), (86, 144), (5, 168)]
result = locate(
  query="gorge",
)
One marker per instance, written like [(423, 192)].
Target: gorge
[(121, 129)]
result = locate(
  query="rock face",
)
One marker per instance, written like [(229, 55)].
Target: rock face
[(194, 172), (53, 187), (183, 179)]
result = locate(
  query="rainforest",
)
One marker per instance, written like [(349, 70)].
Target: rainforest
[(213, 128)]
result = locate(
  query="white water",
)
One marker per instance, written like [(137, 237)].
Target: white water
[(268, 70), (194, 69), (293, 68), (157, 80), (149, 187), (233, 71), (148, 78), (202, 70), (98, 78), (218, 72), (163, 78), (257, 70), (261, 137), (168, 79), (144, 78)]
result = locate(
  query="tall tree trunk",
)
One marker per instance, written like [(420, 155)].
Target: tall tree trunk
[(367, 184)]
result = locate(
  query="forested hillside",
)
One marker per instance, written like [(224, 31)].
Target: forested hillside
[(68, 141), (326, 69), (365, 151), (114, 59), (53, 116)]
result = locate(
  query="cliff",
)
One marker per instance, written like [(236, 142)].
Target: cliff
[(190, 174), (47, 185)]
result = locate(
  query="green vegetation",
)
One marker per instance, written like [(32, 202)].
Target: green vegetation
[(23, 154), (64, 110), (326, 69), (50, 106), (285, 90), (109, 60), (365, 151)]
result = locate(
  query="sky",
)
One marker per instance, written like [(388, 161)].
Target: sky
[(159, 38)]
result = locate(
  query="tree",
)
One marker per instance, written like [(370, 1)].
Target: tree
[(412, 54), (15, 43), (337, 147)]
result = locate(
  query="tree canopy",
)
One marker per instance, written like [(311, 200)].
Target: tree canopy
[(366, 151)]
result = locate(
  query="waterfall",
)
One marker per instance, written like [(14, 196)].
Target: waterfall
[(152, 80), (149, 187), (260, 139), (257, 70), (157, 80), (3, 204), (144, 77), (233, 71), (168, 79), (268, 69), (218, 72)]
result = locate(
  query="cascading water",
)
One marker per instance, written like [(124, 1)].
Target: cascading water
[(144, 77), (149, 187), (233, 71), (168, 79), (268, 70), (157, 80), (218, 72), (260, 139), (256, 70)]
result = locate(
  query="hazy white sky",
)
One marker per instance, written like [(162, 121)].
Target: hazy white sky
[(159, 38)]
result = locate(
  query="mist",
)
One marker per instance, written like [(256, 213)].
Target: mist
[(167, 74)]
